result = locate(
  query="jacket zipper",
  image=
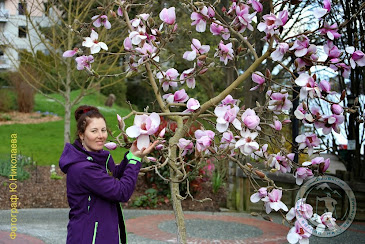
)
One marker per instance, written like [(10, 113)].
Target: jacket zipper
[(95, 231), (88, 204)]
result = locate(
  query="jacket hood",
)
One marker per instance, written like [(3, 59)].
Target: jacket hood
[(71, 155)]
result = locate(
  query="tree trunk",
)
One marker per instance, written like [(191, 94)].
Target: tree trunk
[(179, 215), (67, 106)]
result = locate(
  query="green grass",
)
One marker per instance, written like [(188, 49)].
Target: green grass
[(44, 142)]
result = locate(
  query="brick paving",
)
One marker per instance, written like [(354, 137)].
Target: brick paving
[(148, 227), (20, 239)]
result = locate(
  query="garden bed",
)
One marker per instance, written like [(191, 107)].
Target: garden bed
[(40, 191)]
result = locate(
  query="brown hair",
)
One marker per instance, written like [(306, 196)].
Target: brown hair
[(83, 114)]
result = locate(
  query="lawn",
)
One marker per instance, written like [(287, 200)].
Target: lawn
[(44, 141)]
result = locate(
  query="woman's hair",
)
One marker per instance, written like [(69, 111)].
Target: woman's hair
[(83, 114)]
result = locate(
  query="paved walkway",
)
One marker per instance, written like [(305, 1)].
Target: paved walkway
[(48, 226)]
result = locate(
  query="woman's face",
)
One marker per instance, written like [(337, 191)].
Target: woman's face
[(95, 135)]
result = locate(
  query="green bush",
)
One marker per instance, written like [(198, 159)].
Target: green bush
[(8, 100), (150, 199), (22, 163), (119, 89)]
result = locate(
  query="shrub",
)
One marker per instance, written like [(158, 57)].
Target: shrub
[(117, 87), (22, 163), (150, 199), (8, 100), (21, 81)]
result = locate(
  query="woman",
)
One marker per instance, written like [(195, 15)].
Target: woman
[(93, 194)]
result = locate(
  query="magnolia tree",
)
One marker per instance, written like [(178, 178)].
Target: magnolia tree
[(223, 129)]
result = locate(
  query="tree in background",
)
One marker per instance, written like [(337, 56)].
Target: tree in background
[(61, 26)]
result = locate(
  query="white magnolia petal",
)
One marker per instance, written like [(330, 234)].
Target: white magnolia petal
[(143, 141), (255, 197), (103, 46), (94, 49), (133, 131)]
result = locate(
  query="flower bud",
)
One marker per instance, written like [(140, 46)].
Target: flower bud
[(111, 145), (336, 109)]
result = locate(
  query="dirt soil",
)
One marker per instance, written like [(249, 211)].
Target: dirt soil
[(26, 118), (40, 191)]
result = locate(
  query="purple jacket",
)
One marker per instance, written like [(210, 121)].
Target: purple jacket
[(94, 196)]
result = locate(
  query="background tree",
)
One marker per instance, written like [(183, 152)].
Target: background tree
[(57, 30)]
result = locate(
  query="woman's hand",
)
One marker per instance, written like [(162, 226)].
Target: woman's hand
[(144, 151)]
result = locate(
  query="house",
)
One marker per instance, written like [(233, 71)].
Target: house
[(15, 32)]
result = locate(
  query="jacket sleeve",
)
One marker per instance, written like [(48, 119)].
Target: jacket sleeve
[(96, 180), (120, 168)]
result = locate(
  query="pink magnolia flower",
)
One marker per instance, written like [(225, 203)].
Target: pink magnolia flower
[(262, 153), (302, 209), (300, 46), (186, 146), (167, 78), (200, 18), (147, 51), (271, 24), (203, 139), (120, 11), (142, 127), (188, 76), (323, 164), (84, 62), (225, 115), (246, 144), (243, 18), (298, 234), (168, 15), (162, 133), (279, 52), (309, 140), (225, 52), (258, 78), (192, 105), (257, 6), (197, 49), (101, 20), (320, 12), (110, 145), (218, 30), (301, 174), (228, 141), (332, 122), (93, 43), (331, 50), (259, 195), (70, 53), (309, 86), (277, 125), (273, 201), (336, 109), (283, 15), (138, 36), (330, 31), (127, 43), (342, 68), (152, 159), (250, 119), (279, 101), (229, 100), (282, 163), (357, 57), (180, 96), (325, 87)]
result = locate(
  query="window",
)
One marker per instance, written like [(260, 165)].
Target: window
[(22, 32), (22, 7)]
